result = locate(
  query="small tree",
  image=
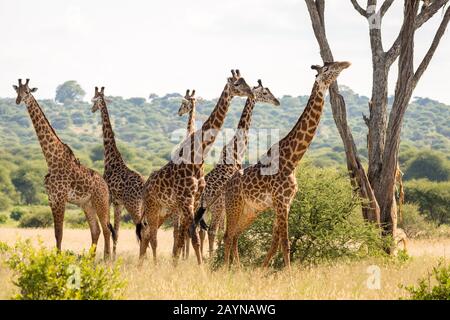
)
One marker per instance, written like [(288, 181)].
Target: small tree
[(69, 91), (429, 165)]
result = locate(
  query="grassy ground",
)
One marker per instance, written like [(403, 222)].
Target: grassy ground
[(188, 281)]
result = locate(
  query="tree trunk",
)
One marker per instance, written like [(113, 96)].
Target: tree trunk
[(358, 177), (383, 137)]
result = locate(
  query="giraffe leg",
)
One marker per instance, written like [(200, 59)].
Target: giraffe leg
[(212, 231), (202, 235), (117, 213), (217, 219), (187, 219), (176, 227), (153, 236), (101, 205), (228, 241), (58, 209), (236, 251), (284, 235), (94, 227), (274, 246), (186, 245), (147, 228)]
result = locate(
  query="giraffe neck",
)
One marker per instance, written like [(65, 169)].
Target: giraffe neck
[(52, 147), (234, 151), (213, 124), (112, 154), (191, 121), (199, 143), (294, 145)]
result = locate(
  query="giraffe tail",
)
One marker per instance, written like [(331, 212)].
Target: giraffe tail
[(138, 231), (113, 232), (198, 219)]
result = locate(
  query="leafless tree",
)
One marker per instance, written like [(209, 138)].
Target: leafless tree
[(378, 184)]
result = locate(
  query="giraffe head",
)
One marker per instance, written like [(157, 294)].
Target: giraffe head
[(23, 91), (238, 87), (263, 94), (98, 99), (329, 72), (188, 103)]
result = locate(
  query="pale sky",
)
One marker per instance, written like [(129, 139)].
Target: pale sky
[(137, 47)]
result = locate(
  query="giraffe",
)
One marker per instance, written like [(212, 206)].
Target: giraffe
[(177, 186), (271, 183), (188, 104), (230, 161), (67, 180), (125, 185)]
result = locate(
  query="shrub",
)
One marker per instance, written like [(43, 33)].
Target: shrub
[(46, 274), (325, 223), (17, 214), (434, 287), (3, 218), (433, 198), (5, 202), (36, 217), (430, 165), (75, 219), (413, 223)]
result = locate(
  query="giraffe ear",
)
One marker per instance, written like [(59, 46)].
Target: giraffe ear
[(15, 87), (33, 90)]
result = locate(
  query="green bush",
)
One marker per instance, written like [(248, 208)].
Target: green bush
[(75, 219), (3, 218), (415, 224), (46, 274), (434, 287), (429, 165), (17, 214), (325, 224), (433, 198), (5, 202), (36, 217)]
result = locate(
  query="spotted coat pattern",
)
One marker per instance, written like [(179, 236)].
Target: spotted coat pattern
[(178, 186), (255, 189), (67, 180)]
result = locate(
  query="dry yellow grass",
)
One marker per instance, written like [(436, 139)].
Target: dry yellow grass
[(188, 281)]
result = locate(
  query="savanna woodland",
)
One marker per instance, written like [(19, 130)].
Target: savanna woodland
[(108, 197)]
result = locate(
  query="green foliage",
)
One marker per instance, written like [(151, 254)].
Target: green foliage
[(436, 286), (28, 181), (3, 218), (325, 224), (5, 202), (36, 217), (429, 165), (46, 274), (75, 219), (414, 223), (69, 91), (17, 214), (433, 198)]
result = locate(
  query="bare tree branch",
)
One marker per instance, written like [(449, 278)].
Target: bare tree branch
[(359, 8), (320, 5), (385, 7), (429, 55), (421, 18)]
